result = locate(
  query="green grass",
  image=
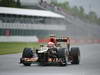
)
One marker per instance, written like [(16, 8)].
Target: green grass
[(12, 48)]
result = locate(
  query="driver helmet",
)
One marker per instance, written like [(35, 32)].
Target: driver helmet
[(51, 44)]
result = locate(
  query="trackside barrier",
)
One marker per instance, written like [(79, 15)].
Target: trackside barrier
[(18, 39), (76, 41)]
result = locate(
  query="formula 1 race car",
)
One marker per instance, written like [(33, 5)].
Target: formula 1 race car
[(58, 52)]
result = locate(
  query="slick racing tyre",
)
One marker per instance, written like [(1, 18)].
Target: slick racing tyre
[(27, 64), (27, 53), (75, 55), (62, 56)]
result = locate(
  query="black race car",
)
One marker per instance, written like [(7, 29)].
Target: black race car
[(59, 53)]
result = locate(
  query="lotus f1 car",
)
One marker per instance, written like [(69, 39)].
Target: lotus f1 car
[(56, 51)]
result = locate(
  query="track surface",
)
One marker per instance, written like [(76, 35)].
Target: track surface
[(90, 64)]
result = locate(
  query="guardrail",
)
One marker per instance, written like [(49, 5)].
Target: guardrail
[(76, 41), (18, 39)]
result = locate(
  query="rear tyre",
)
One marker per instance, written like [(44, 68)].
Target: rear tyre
[(27, 64), (75, 55)]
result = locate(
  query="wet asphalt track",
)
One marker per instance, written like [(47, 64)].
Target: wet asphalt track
[(90, 64)]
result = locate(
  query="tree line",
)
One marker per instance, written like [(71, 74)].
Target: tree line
[(79, 12), (10, 3)]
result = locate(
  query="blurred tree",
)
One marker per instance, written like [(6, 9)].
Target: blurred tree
[(92, 16), (8, 3), (18, 3), (81, 11), (65, 5), (75, 11), (78, 11), (98, 21)]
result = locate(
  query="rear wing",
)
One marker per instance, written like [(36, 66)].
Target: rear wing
[(63, 40)]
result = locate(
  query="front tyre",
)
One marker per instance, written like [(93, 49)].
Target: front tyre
[(27, 53), (62, 55), (63, 62)]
